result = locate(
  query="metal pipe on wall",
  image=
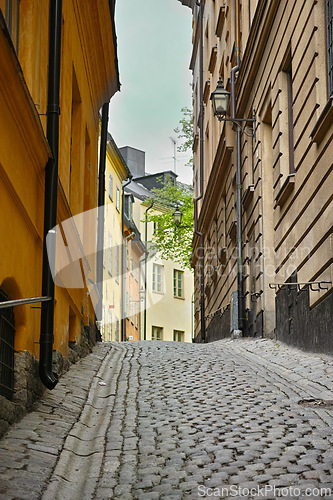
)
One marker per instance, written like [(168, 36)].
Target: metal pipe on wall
[(200, 195), (46, 374), (239, 243)]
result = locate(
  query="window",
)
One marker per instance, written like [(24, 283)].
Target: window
[(178, 336), (127, 260), (132, 266), (117, 330), (136, 312), (110, 255), (12, 16), (117, 264), (157, 278), (75, 143), (126, 305), (136, 272), (157, 333), (118, 199), (109, 325), (289, 89), (132, 310), (329, 44), (128, 206), (110, 187), (178, 284)]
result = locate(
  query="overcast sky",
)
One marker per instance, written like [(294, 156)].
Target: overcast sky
[(154, 50)]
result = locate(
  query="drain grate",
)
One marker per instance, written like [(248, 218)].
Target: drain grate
[(316, 403)]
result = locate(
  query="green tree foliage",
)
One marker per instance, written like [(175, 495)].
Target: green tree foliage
[(170, 241), (185, 132)]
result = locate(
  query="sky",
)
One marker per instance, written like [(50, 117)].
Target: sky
[(154, 39)]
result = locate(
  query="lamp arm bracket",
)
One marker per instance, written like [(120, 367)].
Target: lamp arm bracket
[(238, 121)]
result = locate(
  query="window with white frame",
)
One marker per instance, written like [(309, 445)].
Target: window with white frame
[(178, 335), (110, 255), (157, 333), (118, 199), (132, 310), (117, 264), (178, 284), (110, 187), (136, 271), (157, 278), (136, 315)]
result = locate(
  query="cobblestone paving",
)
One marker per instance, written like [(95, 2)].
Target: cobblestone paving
[(163, 420)]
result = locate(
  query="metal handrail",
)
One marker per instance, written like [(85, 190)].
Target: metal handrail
[(21, 302), (320, 285)]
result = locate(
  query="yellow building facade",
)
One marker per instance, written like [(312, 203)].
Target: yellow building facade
[(116, 171), (169, 289), (88, 79)]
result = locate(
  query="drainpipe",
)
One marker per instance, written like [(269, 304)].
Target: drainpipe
[(235, 70), (145, 289), (49, 378), (123, 320), (124, 313), (101, 203), (200, 196)]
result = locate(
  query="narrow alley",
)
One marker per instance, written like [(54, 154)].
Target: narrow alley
[(150, 420)]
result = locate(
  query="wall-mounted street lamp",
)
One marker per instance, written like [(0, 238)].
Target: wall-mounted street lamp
[(177, 217), (220, 101)]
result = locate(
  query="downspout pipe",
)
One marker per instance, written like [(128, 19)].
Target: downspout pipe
[(101, 203), (145, 289), (239, 244), (200, 195), (124, 336), (123, 319), (48, 378)]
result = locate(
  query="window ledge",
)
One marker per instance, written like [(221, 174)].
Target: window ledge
[(248, 195), (232, 230), (285, 190), (323, 123), (179, 298)]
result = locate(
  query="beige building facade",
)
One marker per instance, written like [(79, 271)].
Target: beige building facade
[(279, 53)]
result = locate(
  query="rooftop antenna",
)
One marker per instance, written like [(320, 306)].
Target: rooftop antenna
[(174, 152)]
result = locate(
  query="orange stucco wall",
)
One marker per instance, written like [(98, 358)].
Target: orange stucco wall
[(24, 153)]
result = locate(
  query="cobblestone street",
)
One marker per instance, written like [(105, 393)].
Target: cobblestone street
[(151, 420)]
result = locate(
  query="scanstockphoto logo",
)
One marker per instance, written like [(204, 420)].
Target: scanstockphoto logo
[(223, 261), (72, 253), (264, 492)]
